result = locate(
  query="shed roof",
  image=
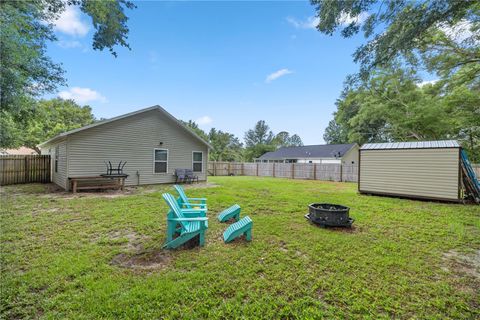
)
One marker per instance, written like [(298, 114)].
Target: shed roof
[(315, 151), (96, 124), (412, 145)]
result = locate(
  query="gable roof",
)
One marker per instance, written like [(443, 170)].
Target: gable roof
[(412, 145), (127, 115), (315, 151)]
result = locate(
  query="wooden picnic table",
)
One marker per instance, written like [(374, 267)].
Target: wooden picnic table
[(97, 182)]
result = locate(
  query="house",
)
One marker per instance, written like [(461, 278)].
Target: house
[(425, 170), (151, 141), (326, 153), (22, 151)]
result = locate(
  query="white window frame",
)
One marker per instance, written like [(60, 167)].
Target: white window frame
[(193, 161), (154, 161)]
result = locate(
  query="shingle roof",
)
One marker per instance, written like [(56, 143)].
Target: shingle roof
[(96, 124), (412, 145), (316, 151)]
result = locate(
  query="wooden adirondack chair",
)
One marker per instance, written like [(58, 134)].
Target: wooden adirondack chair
[(183, 223), (190, 203)]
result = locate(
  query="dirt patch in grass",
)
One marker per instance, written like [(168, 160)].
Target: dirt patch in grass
[(153, 260), (462, 263)]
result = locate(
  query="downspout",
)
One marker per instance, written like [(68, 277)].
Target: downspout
[(138, 178)]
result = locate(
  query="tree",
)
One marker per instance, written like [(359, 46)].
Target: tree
[(195, 128), (53, 117), (396, 30), (26, 26), (335, 133), (283, 139), (260, 134), (226, 147)]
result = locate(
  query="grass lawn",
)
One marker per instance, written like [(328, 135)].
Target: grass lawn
[(92, 256)]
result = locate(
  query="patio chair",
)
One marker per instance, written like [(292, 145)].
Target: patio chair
[(191, 177), (189, 203), (183, 224), (180, 175)]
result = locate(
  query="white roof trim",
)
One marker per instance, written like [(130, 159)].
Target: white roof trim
[(96, 124)]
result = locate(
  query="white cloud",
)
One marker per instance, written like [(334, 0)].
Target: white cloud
[(70, 22), (459, 32), (203, 121), (309, 23), (277, 74), (82, 95), (424, 83), (346, 19), (312, 22)]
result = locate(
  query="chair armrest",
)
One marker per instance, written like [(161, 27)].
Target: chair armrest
[(189, 219), (193, 210), (197, 199)]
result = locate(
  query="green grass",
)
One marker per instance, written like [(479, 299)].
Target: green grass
[(90, 256)]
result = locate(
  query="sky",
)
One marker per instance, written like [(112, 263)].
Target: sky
[(222, 64)]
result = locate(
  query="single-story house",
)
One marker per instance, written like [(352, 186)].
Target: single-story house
[(326, 153), (151, 141), (424, 169)]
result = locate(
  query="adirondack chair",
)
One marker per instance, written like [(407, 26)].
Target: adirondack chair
[(242, 227), (183, 223), (190, 203)]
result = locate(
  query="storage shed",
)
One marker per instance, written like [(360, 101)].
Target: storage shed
[(425, 170)]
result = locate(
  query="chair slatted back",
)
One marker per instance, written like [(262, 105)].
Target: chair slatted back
[(177, 212), (183, 196)]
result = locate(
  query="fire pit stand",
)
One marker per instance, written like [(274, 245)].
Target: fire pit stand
[(329, 215)]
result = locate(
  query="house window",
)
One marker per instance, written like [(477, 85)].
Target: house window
[(160, 160), (57, 151), (197, 161)]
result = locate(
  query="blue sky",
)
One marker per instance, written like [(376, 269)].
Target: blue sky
[(224, 64)]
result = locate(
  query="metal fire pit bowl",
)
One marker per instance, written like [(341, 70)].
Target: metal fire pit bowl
[(329, 215)]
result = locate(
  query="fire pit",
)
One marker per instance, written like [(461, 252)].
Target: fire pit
[(329, 215)]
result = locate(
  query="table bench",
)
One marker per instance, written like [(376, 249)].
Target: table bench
[(96, 182)]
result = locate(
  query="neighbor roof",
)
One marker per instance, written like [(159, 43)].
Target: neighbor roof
[(412, 145), (316, 151), (96, 124)]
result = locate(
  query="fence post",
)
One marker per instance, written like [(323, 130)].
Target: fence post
[(314, 171), (242, 169), (228, 168), (214, 168), (274, 169), (257, 169), (341, 172), (293, 170)]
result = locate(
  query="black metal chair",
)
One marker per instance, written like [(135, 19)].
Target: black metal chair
[(180, 175), (191, 177), (118, 170)]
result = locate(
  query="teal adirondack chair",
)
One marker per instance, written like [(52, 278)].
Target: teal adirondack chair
[(183, 223), (190, 203), (242, 227)]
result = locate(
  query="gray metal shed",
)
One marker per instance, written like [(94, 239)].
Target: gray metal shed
[(425, 169)]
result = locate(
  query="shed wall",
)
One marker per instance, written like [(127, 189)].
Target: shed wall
[(425, 173)]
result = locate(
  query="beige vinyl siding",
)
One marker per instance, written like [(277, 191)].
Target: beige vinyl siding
[(133, 139), (427, 173), (59, 177), (351, 155)]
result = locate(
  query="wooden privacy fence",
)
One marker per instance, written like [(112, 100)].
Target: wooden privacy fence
[(24, 169), (307, 171)]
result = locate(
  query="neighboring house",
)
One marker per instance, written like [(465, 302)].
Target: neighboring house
[(327, 153), (151, 140), (22, 151)]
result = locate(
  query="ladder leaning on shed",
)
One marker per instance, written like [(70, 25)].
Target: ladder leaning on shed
[(470, 180)]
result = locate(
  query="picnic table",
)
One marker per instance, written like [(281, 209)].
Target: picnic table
[(103, 181)]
